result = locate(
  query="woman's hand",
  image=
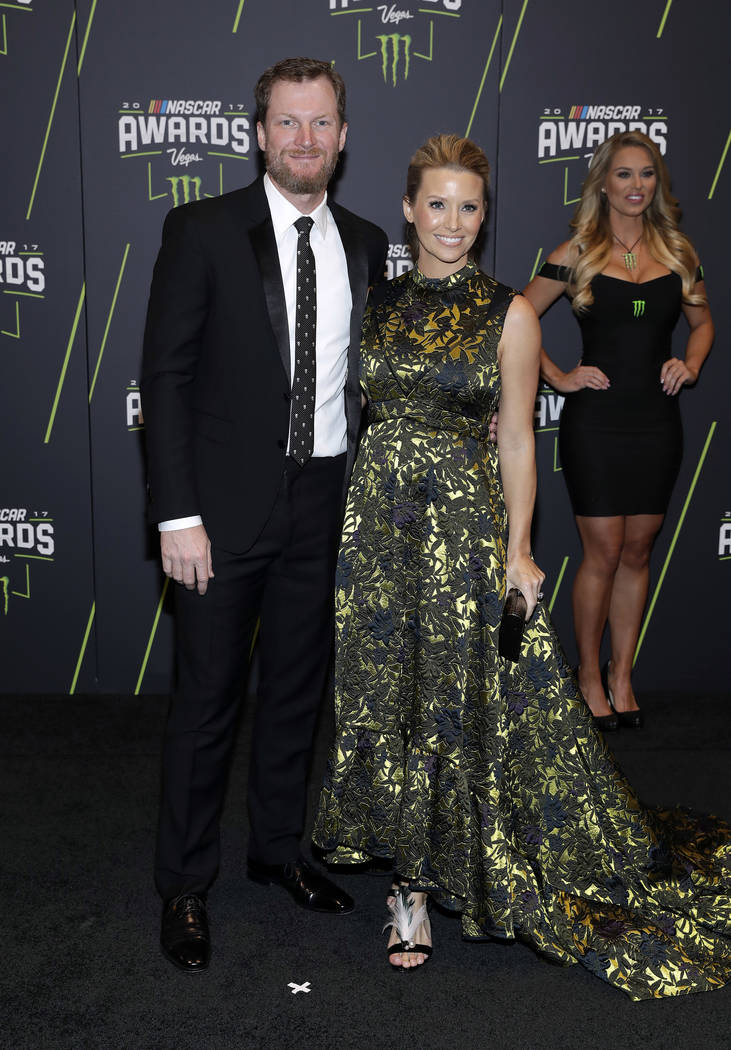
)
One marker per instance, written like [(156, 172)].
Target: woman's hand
[(524, 574), (492, 429), (579, 378), (674, 374)]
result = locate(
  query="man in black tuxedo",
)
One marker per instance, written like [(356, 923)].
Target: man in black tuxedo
[(252, 410)]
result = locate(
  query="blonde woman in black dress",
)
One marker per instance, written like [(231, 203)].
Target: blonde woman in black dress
[(629, 273)]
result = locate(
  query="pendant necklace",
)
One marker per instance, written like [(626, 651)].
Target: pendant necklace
[(630, 259)]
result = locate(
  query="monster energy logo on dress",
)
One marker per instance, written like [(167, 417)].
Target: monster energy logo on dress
[(392, 42), (639, 307), (185, 188)]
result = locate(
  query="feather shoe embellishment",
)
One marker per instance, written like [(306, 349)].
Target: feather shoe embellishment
[(404, 919)]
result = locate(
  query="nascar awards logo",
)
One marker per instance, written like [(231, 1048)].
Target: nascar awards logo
[(571, 134), (133, 406), (22, 268), (394, 35), (23, 277), (548, 409), (192, 138), (17, 5), (23, 535), (724, 537), (21, 531), (398, 261)]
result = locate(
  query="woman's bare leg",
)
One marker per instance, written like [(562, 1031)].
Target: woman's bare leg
[(602, 540), (627, 604)]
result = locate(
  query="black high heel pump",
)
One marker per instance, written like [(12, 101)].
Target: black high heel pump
[(605, 723), (625, 719)]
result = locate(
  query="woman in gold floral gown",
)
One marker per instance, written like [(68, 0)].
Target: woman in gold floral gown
[(485, 782)]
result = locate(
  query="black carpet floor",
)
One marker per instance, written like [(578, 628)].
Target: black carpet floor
[(78, 799)]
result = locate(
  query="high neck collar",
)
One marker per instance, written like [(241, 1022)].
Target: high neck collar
[(441, 283)]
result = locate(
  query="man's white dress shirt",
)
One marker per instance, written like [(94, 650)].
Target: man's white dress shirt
[(334, 303)]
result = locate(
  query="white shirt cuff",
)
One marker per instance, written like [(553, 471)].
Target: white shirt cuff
[(180, 523)]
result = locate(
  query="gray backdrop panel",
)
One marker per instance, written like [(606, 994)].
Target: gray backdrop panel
[(46, 580), (91, 132)]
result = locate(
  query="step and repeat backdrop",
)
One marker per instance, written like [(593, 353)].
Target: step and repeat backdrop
[(111, 114)]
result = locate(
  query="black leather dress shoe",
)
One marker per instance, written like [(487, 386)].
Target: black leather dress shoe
[(306, 886), (184, 937)]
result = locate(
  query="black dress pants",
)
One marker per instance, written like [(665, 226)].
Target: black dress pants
[(286, 582)]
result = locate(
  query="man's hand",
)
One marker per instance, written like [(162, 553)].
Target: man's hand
[(186, 557)]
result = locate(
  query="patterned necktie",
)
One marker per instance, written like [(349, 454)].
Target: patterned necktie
[(302, 424)]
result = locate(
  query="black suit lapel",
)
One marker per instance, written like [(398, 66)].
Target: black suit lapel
[(267, 257), (264, 245), (357, 257)]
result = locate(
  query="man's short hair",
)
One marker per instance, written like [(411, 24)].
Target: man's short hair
[(296, 70)]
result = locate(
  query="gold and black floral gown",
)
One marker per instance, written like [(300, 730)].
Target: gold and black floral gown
[(485, 781)]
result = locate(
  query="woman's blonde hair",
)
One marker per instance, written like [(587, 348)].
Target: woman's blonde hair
[(445, 151), (591, 244)]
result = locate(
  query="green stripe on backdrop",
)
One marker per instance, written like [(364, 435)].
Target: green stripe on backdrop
[(153, 632), (558, 584), (484, 75), (51, 116), (420, 54), (26, 592), (566, 199), (238, 16), (86, 38), (112, 308), (664, 18), (720, 167), (65, 365), (512, 44), (84, 643), (556, 467), (16, 333), (674, 540)]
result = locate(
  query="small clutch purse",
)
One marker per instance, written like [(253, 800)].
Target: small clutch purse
[(512, 625)]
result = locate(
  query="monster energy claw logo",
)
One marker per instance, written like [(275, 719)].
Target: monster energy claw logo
[(396, 50), (639, 307), (190, 185), (393, 41)]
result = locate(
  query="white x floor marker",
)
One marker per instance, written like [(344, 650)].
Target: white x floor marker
[(299, 987)]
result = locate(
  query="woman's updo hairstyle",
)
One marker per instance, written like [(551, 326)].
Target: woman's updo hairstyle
[(445, 151)]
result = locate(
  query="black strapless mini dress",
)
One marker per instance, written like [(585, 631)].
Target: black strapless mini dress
[(621, 448)]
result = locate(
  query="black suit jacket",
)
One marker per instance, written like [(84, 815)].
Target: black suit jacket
[(215, 373)]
